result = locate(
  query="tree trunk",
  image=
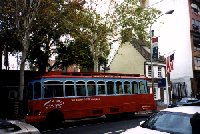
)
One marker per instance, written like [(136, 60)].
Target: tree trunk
[(22, 65), (95, 64)]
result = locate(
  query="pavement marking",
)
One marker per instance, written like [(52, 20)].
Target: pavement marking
[(46, 131), (118, 131), (59, 128), (108, 133), (72, 127)]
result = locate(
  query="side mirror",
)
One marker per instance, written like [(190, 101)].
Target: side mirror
[(195, 123)]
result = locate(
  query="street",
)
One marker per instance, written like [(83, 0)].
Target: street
[(95, 126)]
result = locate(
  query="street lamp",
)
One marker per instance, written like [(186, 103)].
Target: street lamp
[(151, 35)]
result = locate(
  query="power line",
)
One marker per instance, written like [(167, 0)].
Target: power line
[(155, 3)]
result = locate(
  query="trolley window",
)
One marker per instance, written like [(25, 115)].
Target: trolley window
[(53, 89), (119, 89), (110, 87), (127, 89), (80, 88), (142, 88), (101, 88), (69, 88), (91, 88), (134, 87), (37, 90)]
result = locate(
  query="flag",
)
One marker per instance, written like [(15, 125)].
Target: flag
[(170, 63), (155, 48)]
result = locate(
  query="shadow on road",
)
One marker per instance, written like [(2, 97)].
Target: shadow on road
[(44, 127)]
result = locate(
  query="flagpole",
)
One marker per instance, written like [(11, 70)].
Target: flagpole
[(166, 78), (152, 71)]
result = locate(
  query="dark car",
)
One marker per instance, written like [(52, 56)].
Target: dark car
[(17, 127)]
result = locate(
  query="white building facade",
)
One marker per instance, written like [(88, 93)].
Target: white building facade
[(176, 35)]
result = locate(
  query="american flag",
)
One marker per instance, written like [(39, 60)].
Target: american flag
[(155, 47)]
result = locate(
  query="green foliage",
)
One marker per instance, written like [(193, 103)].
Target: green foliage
[(134, 20), (54, 19), (96, 30), (89, 30), (75, 52), (103, 61), (8, 34)]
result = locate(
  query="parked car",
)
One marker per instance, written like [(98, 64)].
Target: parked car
[(186, 100), (180, 120), (194, 103), (183, 101), (17, 127)]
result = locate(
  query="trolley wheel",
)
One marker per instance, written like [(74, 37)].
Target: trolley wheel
[(54, 118)]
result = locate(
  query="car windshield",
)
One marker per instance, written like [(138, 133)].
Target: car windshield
[(177, 123), (183, 100)]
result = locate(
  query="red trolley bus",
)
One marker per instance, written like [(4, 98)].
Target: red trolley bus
[(55, 97)]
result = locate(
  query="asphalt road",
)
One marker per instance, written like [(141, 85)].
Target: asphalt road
[(94, 126)]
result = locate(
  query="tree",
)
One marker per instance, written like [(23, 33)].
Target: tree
[(134, 20), (8, 36), (51, 23), (25, 13), (15, 22), (75, 52), (97, 28)]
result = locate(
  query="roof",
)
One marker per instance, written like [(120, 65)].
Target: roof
[(184, 109), (56, 74)]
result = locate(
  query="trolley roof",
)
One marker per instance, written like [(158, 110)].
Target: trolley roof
[(58, 74)]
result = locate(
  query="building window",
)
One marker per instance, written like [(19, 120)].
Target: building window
[(159, 72), (197, 63), (196, 42), (149, 71), (195, 8), (195, 24)]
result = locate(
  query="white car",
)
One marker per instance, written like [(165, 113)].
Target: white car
[(17, 127), (177, 120)]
